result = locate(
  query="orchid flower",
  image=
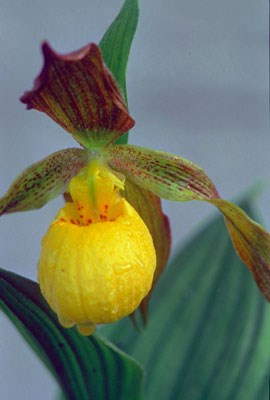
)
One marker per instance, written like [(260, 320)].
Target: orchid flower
[(108, 245)]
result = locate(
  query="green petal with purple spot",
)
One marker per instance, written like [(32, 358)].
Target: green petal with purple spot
[(177, 179), (43, 181), (168, 176)]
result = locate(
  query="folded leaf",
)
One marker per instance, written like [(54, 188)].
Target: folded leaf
[(149, 207), (78, 92), (86, 368), (177, 179), (43, 181)]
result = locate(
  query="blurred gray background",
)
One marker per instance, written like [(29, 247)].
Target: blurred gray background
[(198, 87)]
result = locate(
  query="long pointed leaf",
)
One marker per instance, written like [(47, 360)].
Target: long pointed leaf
[(116, 43), (86, 368)]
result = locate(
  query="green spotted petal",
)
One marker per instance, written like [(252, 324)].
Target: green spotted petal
[(251, 242), (43, 181), (166, 175), (177, 179), (149, 207)]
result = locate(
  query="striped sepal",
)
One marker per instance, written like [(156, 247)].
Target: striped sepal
[(78, 92)]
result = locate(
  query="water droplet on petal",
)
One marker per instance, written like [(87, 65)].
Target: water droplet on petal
[(86, 329), (65, 322)]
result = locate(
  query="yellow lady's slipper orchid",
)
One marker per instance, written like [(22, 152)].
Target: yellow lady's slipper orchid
[(98, 259)]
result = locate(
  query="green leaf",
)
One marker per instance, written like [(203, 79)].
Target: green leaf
[(43, 181), (208, 330), (86, 368), (116, 43), (60, 396)]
